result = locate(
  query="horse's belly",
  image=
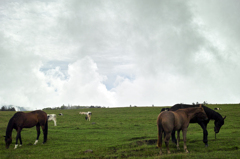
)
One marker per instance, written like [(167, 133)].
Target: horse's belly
[(29, 123), (178, 127), (194, 120)]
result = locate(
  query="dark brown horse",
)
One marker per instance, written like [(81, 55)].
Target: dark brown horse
[(22, 120), (169, 121)]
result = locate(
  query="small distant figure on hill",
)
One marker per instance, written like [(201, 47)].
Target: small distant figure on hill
[(217, 109), (52, 117), (88, 115), (164, 109), (61, 114)]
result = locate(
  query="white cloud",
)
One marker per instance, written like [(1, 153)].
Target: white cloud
[(84, 85), (118, 53)]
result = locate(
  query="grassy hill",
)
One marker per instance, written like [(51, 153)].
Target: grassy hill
[(121, 133)]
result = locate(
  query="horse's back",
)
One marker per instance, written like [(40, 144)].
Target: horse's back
[(28, 120), (166, 120), (207, 110), (41, 116), (182, 106)]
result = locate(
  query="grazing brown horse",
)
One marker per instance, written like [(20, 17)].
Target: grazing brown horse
[(169, 121), (22, 120)]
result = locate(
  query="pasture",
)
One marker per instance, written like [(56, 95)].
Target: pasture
[(121, 133)]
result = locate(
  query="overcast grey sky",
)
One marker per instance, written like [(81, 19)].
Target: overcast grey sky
[(119, 53)]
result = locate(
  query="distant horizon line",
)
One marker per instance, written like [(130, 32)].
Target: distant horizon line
[(98, 106)]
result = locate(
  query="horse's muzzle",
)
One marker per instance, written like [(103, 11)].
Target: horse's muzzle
[(216, 130)]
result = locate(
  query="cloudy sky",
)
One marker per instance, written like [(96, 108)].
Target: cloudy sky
[(119, 53)]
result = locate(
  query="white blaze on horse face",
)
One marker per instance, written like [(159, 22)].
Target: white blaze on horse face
[(16, 146), (35, 142)]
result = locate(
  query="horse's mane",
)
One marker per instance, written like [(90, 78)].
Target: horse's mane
[(210, 113), (182, 106), (10, 127), (11, 124)]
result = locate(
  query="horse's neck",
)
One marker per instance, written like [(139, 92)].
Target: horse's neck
[(9, 128), (212, 114), (190, 113)]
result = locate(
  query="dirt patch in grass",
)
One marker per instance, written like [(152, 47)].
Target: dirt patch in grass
[(148, 142), (137, 138)]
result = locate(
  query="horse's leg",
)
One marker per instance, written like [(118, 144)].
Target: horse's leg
[(173, 137), (160, 139), (178, 139), (167, 138), (17, 137), (184, 131), (38, 133), (205, 133), (20, 138), (55, 122), (45, 131)]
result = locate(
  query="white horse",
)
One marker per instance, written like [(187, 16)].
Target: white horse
[(88, 115), (52, 117)]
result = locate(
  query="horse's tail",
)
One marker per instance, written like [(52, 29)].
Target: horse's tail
[(45, 131), (160, 131)]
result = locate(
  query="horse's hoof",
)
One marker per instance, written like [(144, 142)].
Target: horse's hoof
[(206, 145), (35, 142), (15, 147), (187, 151), (174, 141)]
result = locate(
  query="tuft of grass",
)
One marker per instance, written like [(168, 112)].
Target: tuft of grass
[(121, 133)]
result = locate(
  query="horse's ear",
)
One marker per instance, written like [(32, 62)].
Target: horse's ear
[(224, 117)]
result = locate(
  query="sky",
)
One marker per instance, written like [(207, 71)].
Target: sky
[(119, 53)]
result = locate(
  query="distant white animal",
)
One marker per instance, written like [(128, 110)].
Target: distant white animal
[(52, 117), (88, 115), (60, 114), (217, 108)]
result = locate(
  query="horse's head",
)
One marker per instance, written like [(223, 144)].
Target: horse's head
[(8, 141), (218, 124)]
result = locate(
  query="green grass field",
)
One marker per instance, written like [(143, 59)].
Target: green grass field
[(121, 133)]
